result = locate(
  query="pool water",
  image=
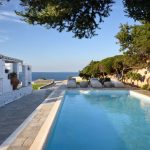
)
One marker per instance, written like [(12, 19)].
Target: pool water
[(101, 120)]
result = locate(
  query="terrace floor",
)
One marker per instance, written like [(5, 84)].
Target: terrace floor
[(13, 114)]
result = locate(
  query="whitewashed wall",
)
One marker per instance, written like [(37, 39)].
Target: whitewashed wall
[(1, 86), (7, 87), (1, 76), (1, 68), (26, 75), (7, 94), (14, 95), (5, 82)]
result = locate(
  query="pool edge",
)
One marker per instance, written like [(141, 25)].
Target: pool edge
[(40, 139)]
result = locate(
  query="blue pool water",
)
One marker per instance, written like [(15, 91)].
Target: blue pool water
[(106, 120)]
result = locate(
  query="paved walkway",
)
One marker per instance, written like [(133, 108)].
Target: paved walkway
[(13, 114), (28, 134)]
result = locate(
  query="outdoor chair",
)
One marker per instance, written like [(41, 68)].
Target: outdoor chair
[(94, 82), (71, 83), (84, 84)]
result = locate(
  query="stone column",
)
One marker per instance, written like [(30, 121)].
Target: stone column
[(2, 68), (25, 75), (16, 68), (29, 74)]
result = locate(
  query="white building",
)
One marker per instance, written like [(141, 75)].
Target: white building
[(7, 94)]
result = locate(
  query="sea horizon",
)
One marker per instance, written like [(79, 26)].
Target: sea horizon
[(52, 75)]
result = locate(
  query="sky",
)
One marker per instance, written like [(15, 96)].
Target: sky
[(47, 50)]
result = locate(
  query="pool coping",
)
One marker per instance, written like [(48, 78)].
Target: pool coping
[(57, 96), (39, 141)]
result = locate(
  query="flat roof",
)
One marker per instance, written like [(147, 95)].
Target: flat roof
[(10, 59)]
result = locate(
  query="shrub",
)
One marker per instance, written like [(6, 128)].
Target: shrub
[(102, 80), (145, 87), (134, 76), (129, 75), (37, 86), (107, 79)]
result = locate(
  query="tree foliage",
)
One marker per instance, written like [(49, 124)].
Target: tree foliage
[(138, 9), (135, 43), (108, 65), (134, 76), (82, 17)]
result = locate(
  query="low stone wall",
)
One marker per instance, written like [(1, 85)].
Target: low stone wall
[(41, 81), (14, 95)]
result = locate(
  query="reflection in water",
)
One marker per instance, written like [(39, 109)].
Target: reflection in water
[(125, 113), (145, 105)]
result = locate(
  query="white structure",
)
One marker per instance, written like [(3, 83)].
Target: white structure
[(7, 94)]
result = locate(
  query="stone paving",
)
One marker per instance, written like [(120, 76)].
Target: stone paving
[(144, 92), (13, 114), (26, 138)]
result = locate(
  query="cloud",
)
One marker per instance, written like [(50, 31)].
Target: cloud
[(9, 16)]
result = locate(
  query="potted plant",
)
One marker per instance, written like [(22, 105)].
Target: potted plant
[(14, 80)]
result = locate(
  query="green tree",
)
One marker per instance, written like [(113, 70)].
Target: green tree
[(120, 65), (91, 70), (135, 43), (98, 68), (138, 9), (82, 17), (129, 75), (107, 64)]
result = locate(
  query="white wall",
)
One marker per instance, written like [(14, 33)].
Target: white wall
[(7, 94), (1, 76), (30, 74), (1, 68), (26, 75), (16, 68), (7, 87), (4, 81), (14, 95), (1, 86)]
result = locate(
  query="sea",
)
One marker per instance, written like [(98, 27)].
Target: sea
[(57, 76)]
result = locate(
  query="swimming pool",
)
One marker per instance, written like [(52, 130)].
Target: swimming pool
[(101, 120)]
